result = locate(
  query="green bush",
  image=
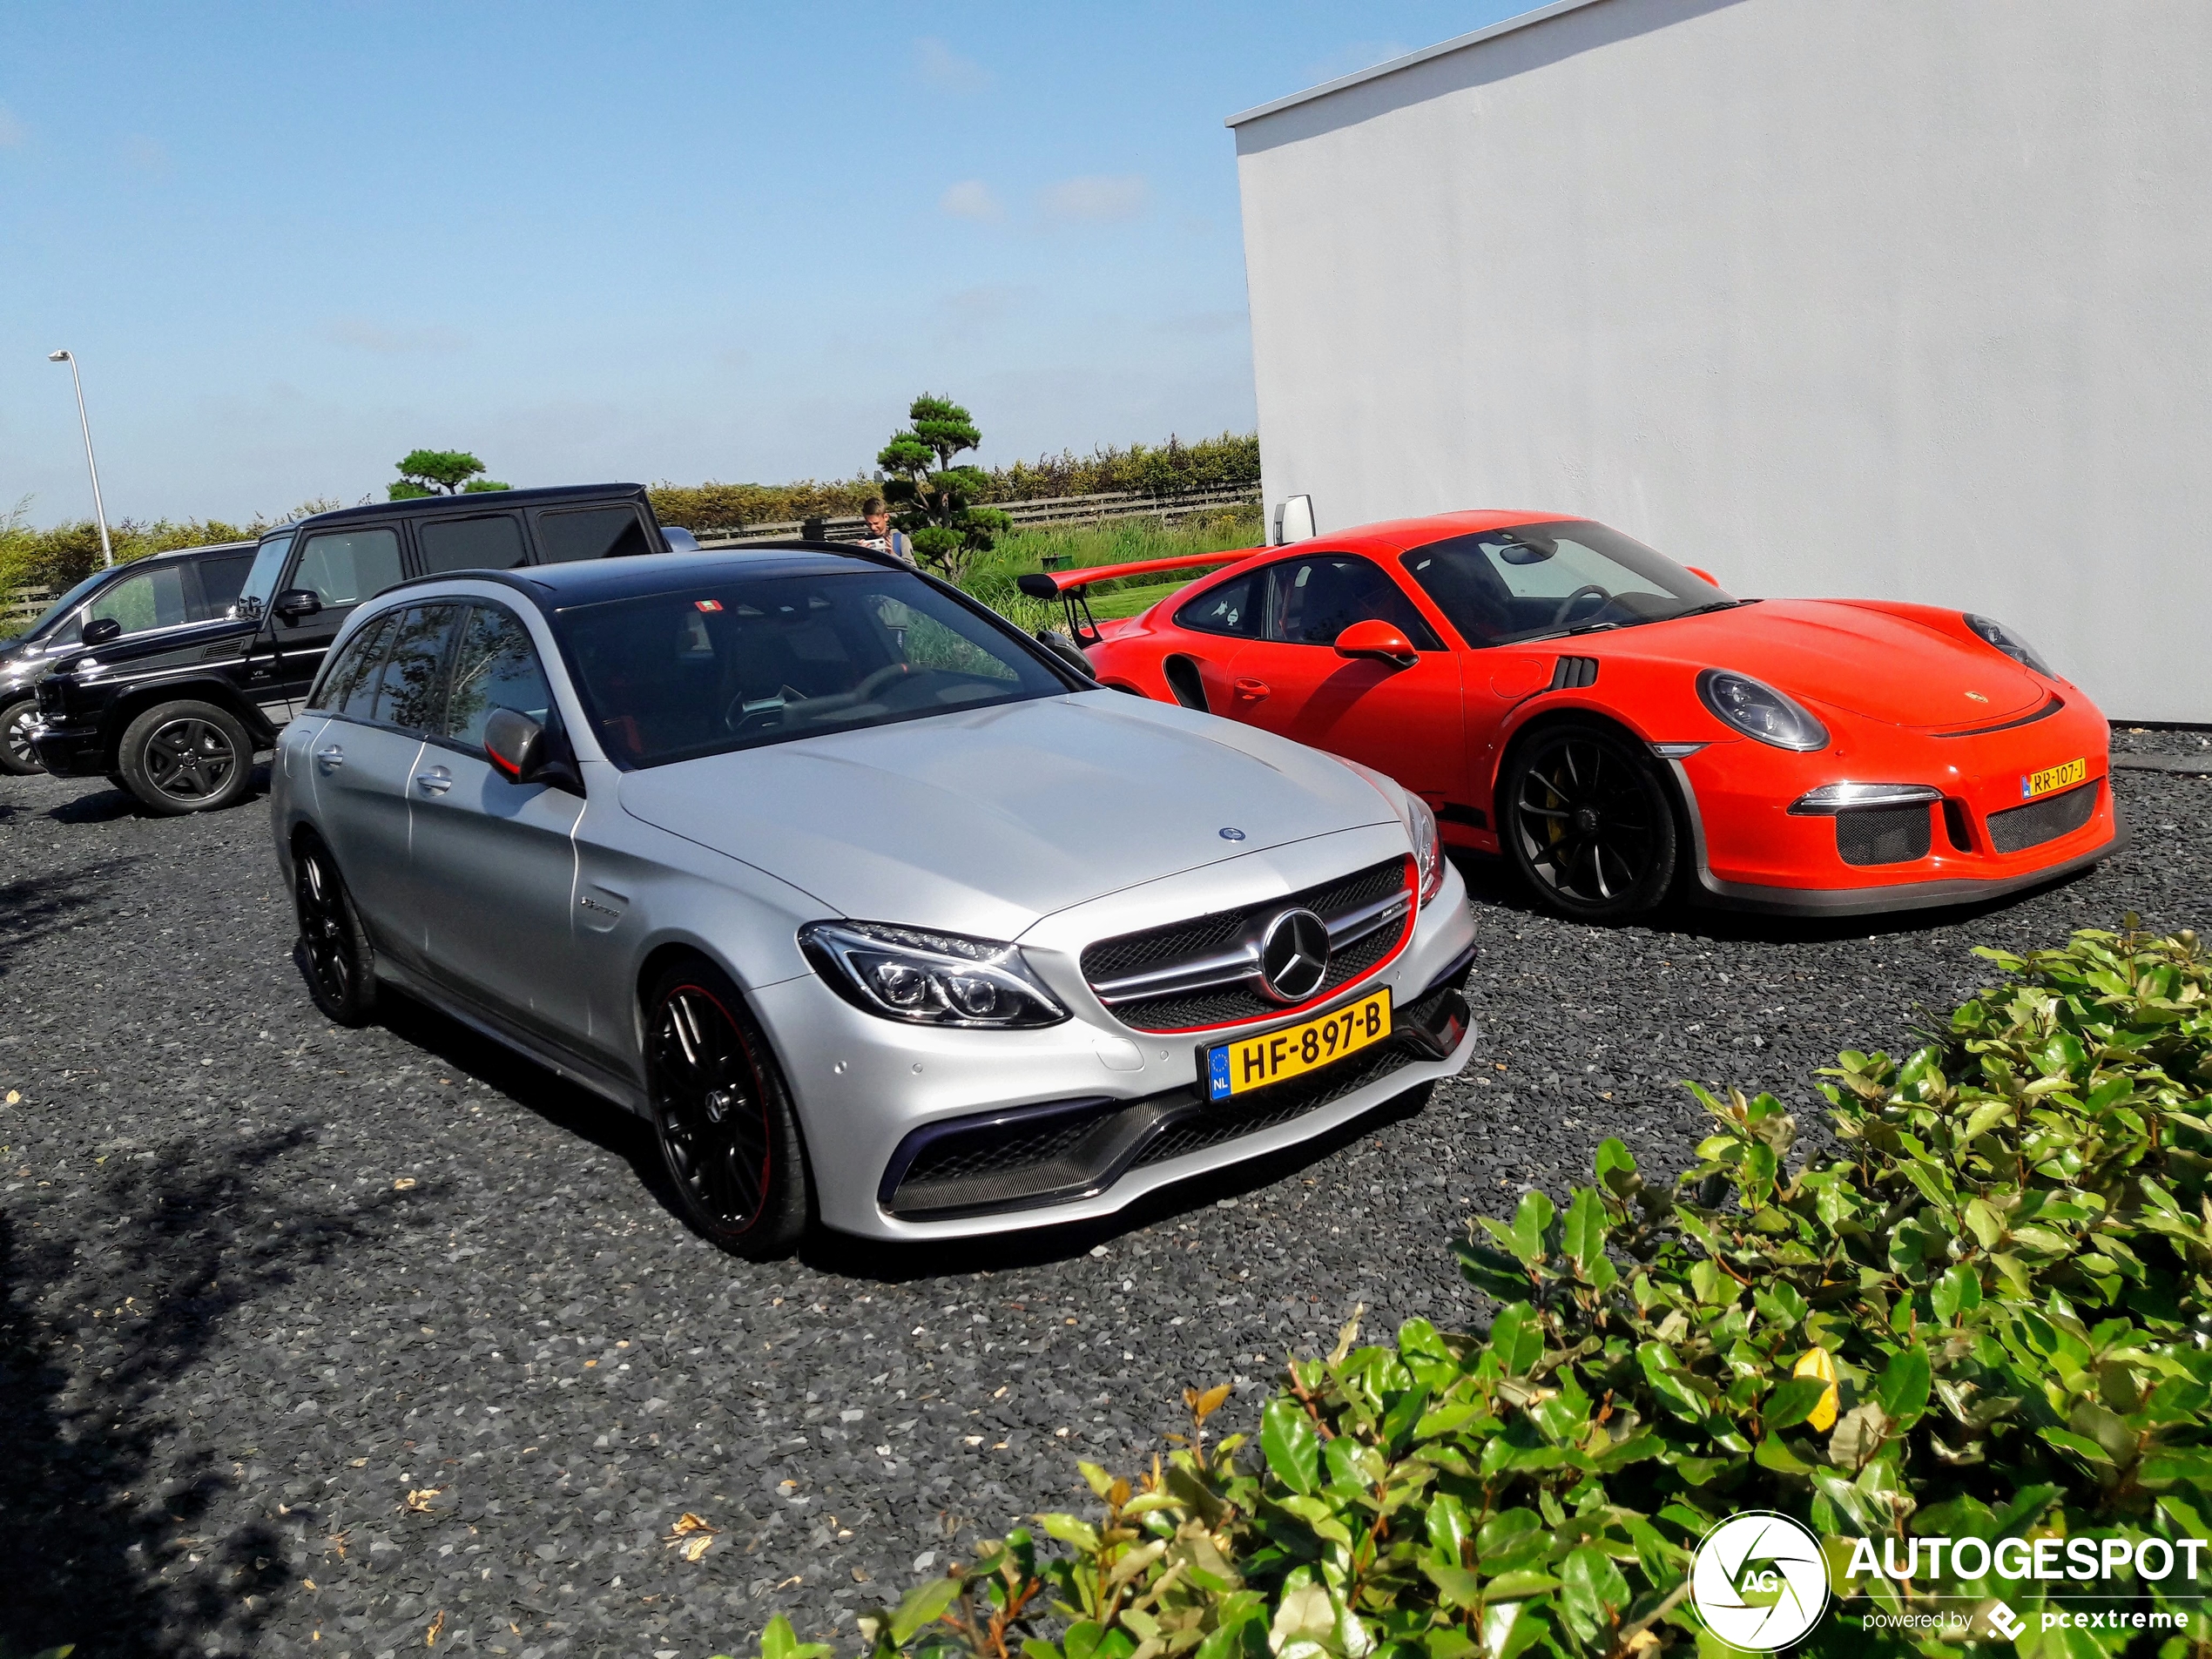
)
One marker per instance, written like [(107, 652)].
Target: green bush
[(1988, 1318), (991, 576)]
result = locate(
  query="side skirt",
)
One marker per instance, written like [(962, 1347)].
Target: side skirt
[(571, 1068)]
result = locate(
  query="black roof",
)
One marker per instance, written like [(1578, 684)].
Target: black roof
[(485, 498), (590, 582)]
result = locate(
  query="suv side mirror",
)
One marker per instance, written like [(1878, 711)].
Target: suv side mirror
[(99, 631), (297, 604), (1379, 641), (525, 752)]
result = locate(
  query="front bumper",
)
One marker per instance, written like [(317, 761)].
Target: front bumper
[(1750, 851), (70, 750), (1117, 1113)]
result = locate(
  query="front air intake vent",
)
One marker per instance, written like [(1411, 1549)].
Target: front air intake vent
[(2020, 827), (1573, 673), (1885, 835)]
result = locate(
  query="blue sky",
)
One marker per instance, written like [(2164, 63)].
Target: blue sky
[(653, 241)]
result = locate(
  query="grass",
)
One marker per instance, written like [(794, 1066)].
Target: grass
[(1123, 542)]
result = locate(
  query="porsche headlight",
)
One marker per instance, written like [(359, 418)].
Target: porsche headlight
[(2000, 638), (1429, 844), (1760, 712), (928, 978)]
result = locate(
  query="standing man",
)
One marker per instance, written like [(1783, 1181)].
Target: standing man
[(880, 535)]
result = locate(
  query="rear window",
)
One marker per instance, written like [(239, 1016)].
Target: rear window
[(590, 533), (748, 662), (492, 542)]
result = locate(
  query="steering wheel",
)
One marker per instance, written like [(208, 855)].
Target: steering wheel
[(875, 682), (1567, 604)]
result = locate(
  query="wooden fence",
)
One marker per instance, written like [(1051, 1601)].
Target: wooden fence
[(1051, 510), (23, 607)]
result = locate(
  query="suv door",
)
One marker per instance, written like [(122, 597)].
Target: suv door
[(1404, 722), (382, 705), (495, 866), (340, 567)]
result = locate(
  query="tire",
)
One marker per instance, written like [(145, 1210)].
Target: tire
[(333, 952), (1588, 822), (723, 1116), (15, 758), (190, 757)]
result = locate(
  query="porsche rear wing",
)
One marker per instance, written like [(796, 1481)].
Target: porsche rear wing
[(1069, 586)]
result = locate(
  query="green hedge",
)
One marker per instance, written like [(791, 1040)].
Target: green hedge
[(1162, 469), (1988, 1318)]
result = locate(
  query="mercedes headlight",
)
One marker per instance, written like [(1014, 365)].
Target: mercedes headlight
[(1429, 844), (2000, 637), (928, 978), (1760, 712)]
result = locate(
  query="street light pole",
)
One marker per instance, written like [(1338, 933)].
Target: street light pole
[(107, 548)]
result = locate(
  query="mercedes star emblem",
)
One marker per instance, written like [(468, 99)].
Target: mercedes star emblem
[(1294, 956)]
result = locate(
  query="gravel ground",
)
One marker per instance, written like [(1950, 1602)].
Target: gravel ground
[(316, 1341)]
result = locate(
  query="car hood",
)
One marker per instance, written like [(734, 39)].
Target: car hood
[(985, 821), (1866, 661)]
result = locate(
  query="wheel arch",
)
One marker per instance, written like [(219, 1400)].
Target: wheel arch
[(136, 701)]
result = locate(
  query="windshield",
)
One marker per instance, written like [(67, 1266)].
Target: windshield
[(1530, 580), (749, 661), (67, 602), (261, 580)]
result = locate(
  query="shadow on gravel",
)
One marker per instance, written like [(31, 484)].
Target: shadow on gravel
[(105, 806), (89, 1552), (31, 910)]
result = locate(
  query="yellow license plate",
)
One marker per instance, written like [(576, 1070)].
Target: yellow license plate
[(2051, 778), (1254, 1062)]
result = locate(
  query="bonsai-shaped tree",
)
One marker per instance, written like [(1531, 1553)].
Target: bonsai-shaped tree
[(431, 472), (931, 496)]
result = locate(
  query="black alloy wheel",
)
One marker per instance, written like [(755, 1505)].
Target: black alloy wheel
[(333, 953), (1588, 822), (723, 1116), (186, 758), (16, 757)]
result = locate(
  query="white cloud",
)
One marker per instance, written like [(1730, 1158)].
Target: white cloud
[(11, 130), (938, 65), (364, 335), (971, 199), (1098, 198)]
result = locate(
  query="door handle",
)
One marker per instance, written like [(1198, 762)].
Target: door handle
[(331, 759), (1251, 690), (435, 781)]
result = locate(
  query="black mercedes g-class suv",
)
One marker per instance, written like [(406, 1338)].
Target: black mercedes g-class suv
[(145, 597), (176, 716)]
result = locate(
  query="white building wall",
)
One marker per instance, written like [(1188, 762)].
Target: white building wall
[(1886, 298)]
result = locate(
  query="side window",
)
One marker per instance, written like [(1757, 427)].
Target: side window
[(346, 673), (494, 667), (1232, 608), (220, 582), (590, 533), (149, 599), (410, 683), (1314, 599), (345, 567), (491, 543)]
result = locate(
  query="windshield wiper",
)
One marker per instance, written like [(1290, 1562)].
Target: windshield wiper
[(1717, 605)]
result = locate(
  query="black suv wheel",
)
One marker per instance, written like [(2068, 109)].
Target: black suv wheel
[(186, 758), (15, 758)]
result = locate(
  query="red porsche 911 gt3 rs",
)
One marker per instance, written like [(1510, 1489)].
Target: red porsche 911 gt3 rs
[(1612, 722)]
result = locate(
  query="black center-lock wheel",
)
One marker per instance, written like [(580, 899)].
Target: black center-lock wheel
[(1588, 822), (723, 1117), (333, 952)]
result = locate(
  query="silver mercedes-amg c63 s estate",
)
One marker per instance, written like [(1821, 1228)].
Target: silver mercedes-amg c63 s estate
[(880, 911)]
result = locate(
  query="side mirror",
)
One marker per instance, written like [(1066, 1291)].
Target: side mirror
[(525, 752), (1377, 642), (1294, 520), (1706, 577), (100, 631), (297, 604)]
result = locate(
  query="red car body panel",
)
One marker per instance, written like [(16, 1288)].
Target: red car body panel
[(1909, 694)]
